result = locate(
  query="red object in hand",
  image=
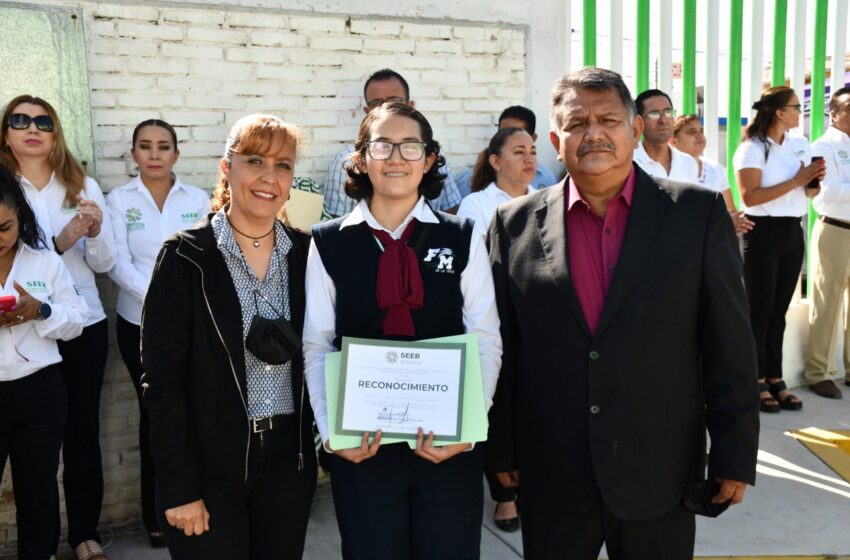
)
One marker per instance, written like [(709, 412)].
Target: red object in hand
[(7, 303)]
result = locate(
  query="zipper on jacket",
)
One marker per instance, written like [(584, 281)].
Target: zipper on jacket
[(229, 358)]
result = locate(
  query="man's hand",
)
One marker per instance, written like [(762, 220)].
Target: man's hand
[(359, 454), (192, 518), (731, 491), (425, 448), (508, 479)]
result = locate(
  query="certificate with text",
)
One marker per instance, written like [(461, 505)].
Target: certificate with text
[(398, 387)]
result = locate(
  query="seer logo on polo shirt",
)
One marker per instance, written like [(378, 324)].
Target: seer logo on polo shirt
[(36, 287), (845, 157), (134, 219), (189, 217), (440, 260)]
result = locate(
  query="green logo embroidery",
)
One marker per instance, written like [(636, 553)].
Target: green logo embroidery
[(133, 215), (36, 286), (190, 217), (843, 154), (68, 209)]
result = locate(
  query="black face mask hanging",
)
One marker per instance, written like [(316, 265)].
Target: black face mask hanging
[(274, 341)]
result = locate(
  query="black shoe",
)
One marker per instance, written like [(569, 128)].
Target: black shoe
[(507, 525), (157, 539)]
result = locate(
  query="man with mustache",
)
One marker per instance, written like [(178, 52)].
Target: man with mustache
[(625, 334), (655, 155)]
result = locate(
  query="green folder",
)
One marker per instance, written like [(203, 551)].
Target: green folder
[(474, 426)]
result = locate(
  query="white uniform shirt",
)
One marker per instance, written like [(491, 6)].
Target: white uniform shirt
[(683, 168), (783, 161), (481, 206), (834, 197), (713, 176), (479, 310), (140, 229), (41, 273), (86, 256)]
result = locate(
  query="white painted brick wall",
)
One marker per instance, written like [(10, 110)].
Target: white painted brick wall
[(202, 68)]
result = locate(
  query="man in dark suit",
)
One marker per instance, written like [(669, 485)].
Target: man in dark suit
[(625, 330)]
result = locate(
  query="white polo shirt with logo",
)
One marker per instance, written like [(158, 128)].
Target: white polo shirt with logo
[(778, 163), (833, 200), (140, 230), (683, 168)]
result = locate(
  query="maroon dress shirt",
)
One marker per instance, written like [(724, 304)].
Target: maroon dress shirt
[(594, 246)]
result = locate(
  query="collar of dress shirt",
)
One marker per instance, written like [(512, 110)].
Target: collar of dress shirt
[(26, 182), (493, 191), (138, 184), (628, 192), (833, 133), (361, 213)]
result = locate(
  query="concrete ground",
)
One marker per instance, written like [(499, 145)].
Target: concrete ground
[(799, 506)]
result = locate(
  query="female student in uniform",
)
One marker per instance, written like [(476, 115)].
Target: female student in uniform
[(44, 308), (773, 170), (69, 209), (143, 214), (504, 171), (392, 502), (689, 137), (231, 429)]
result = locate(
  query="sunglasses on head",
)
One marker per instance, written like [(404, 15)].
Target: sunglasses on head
[(21, 121)]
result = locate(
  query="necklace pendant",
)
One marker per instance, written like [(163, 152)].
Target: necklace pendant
[(256, 243)]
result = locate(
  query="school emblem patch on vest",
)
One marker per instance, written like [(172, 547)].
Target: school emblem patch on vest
[(440, 260)]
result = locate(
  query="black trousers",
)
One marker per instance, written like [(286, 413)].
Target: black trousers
[(262, 518), (129, 345), (553, 534), (32, 420), (498, 492), (773, 259), (83, 364), (397, 506)]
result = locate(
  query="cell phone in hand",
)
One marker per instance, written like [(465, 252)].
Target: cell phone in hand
[(7, 303), (814, 183)]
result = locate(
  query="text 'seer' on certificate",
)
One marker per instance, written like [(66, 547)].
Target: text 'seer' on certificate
[(399, 386)]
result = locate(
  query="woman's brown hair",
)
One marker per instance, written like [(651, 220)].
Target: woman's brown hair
[(253, 134), (359, 186), (771, 101), (62, 162), (483, 173), (682, 121)]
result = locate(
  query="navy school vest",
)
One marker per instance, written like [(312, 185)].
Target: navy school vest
[(350, 256)]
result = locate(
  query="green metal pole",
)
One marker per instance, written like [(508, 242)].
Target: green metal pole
[(689, 64), (642, 47), (733, 118), (816, 115), (780, 17), (589, 32)]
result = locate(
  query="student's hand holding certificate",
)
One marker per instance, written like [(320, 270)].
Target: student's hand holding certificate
[(359, 454), (425, 448)]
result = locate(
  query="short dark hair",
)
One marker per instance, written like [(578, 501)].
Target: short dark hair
[(594, 79), (359, 186), (833, 101), (520, 113), (382, 76), (12, 196), (641, 99), (155, 122)]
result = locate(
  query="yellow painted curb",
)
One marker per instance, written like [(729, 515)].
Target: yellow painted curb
[(830, 446)]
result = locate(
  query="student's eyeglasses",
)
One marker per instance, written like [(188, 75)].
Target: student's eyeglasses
[(21, 121), (375, 103), (381, 150), (655, 115)]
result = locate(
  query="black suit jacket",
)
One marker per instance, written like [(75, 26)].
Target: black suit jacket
[(623, 412)]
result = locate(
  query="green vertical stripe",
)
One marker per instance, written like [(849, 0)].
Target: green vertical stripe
[(816, 115), (689, 80), (780, 18), (733, 119), (642, 47), (589, 32)]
